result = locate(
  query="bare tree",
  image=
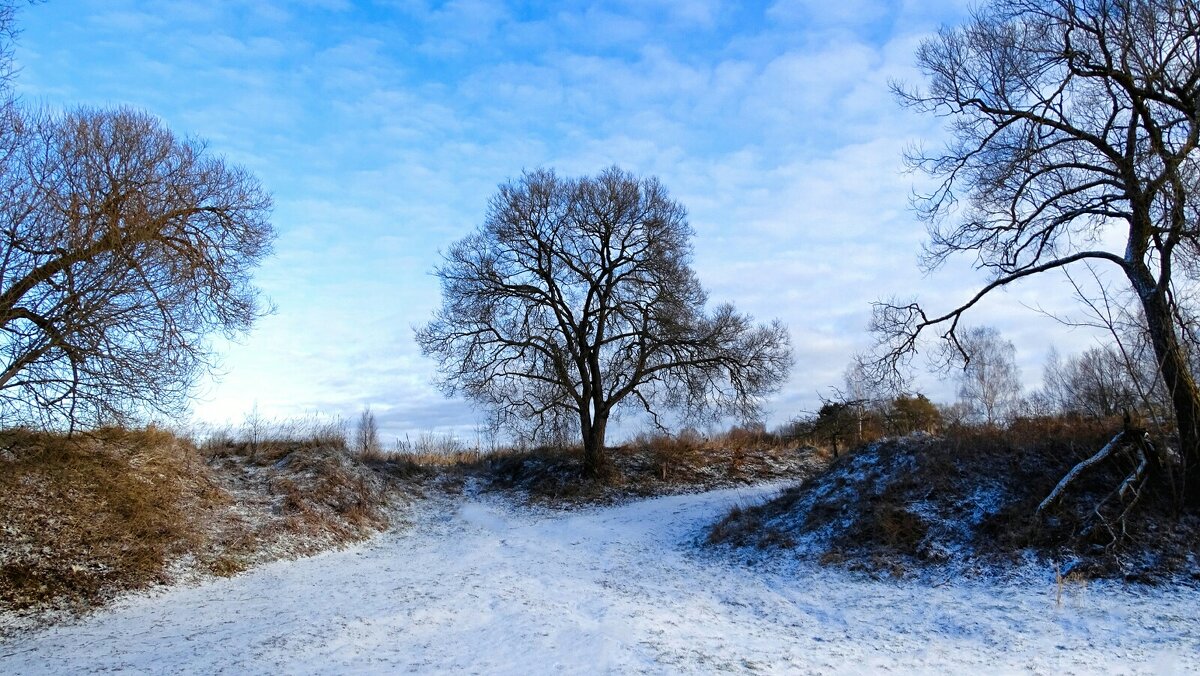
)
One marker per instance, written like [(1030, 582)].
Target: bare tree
[(861, 383), (1072, 121), (1096, 383), (1130, 348), (8, 34), (366, 435), (576, 297), (989, 384), (122, 248)]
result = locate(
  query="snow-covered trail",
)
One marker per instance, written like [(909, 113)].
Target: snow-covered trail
[(481, 587)]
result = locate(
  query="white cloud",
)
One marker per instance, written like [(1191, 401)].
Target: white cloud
[(823, 13), (383, 129)]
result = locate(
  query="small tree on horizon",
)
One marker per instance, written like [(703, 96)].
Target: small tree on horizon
[(575, 298), (990, 382), (366, 434)]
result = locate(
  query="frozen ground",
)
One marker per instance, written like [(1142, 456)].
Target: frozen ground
[(481, 587)]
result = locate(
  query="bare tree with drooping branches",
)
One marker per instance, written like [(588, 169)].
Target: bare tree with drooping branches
[(575, 298), (1074, 124)]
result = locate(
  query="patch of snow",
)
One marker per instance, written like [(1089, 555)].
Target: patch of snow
[(488, 587)]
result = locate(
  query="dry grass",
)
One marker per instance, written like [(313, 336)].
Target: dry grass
[(86, 517), (970, 494)]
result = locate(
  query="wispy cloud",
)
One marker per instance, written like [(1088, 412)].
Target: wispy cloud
[(383, 128)]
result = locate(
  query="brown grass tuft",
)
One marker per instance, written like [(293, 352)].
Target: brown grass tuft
[(86, 516), (113, 509)]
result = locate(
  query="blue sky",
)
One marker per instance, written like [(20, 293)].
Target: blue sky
[(382, 128)]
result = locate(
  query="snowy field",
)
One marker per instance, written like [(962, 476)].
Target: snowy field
[(481, 587)]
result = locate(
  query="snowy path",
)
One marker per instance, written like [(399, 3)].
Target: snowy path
[(489, 589)]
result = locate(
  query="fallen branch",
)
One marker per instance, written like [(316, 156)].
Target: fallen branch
[(1136, 476), (1132, 483), (1079, 469)]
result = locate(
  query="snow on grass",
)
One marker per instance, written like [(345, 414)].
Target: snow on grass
[(484, 587)]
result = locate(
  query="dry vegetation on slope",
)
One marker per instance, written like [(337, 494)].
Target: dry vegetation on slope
[(650, 465), (88, 517), (966, 500)]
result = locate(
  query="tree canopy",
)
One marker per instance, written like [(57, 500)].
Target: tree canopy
[(575, 297), (122, 247), (1074, 125)]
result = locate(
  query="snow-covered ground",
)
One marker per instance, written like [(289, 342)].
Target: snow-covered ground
[(482, 587)]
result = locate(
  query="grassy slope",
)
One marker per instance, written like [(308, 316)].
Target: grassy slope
[(88, 517), (967, 499)]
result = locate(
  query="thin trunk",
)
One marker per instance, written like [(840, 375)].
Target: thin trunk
[(1181, 387)]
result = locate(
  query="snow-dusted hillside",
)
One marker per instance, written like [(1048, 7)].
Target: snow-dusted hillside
[(481, 587)]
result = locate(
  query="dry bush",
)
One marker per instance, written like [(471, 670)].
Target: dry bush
[(744, 526), (432, 454), (738, 527), (970, 494), (745, 436), (266, 441), (429, 443), (671, 453), (87, 516)]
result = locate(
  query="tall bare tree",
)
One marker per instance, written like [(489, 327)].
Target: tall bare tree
[(122, 248), (1097, 383), (990, 382), (575, 297), (1075, 125), (8, 32)]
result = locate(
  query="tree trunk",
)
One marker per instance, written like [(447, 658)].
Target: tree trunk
[(596, 463), (1181, 387)]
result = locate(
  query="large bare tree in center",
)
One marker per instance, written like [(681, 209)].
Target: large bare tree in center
[(575, 297), (1075, 126)]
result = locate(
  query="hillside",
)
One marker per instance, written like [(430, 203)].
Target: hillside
[(965, 504), (88, 518)]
